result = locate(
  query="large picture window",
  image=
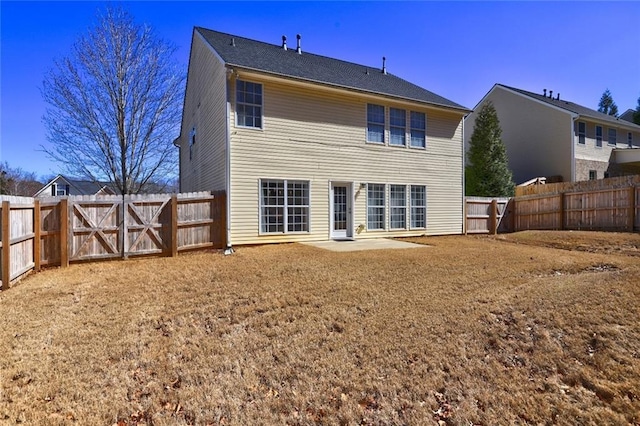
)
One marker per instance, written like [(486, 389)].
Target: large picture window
[(248, 104), (375, 206), (418, 129), (284, 206), (398, 206), (375, 123), (397, 126), (418, 206)]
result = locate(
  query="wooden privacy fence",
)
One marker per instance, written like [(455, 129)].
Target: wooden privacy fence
[(484, 215), (54, 231)]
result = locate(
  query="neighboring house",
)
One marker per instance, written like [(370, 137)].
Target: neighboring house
[(627, 115), (547, 136), (62, 185), (311, 148)]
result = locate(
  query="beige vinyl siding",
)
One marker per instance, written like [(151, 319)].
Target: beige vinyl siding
[(205, 109), (537, 136), (319, 136)]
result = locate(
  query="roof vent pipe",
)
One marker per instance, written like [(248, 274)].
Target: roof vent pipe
[(558, 96), (551, 94), (233, 42), (384, 65), (284, 42), (298, 49), (545, 93)]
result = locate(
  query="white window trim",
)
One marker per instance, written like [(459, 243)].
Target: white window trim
[(384, 207), (601, 136), (422, 130), (235, 95), (285, 214), (411, 206), (584, 135), (391, 228)]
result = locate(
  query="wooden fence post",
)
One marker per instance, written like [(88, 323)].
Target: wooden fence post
[(37, 244), (562, 220), (632, 208), (6, 245), (174, 225), (64, 233), (493, 217)]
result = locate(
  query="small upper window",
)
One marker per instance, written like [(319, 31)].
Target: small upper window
[(58, 190), (375, 123), (249, 104), (397, 126), (630, 140), (599, 136), (582, 132), (593, 175), (613, 135), (418, 127)]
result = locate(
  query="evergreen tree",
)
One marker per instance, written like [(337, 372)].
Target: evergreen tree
[(606, 104), (488, 173), (636, 114)]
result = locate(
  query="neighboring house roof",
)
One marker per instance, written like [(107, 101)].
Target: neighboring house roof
[(574, 108), (82, 187), (627, 115), (273, 59)]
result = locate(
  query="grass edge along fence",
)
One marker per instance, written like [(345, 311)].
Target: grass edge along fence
[(56, 231)]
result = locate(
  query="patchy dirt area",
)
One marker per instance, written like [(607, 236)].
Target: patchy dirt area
[(526, 328)]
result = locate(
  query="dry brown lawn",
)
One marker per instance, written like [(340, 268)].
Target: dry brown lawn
[(528, 328)]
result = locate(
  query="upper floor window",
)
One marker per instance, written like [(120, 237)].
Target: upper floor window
[(599, 136), (630, 140), (375, 123), (58, 189), (249, 104), (397, 126), (582, 132), (418, 129), (613, 135)]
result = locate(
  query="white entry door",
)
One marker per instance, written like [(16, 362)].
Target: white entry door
[(341, 211)]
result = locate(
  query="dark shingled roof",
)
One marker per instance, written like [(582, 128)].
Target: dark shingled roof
[(273, 59), (575, 108)]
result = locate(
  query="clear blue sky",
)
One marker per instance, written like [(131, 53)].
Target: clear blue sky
[(455, 49)]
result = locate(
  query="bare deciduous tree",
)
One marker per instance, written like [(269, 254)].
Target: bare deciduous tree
[(15, 181), (114, 105)]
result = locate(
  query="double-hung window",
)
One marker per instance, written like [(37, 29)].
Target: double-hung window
[(418, 129), (418, 206), (398, 206), (613, 136), (375, 123), (248, 104), (284, 206), (397, 126), (599, 136), (58, 189), (582, 132), (375, 206), (630, 140)]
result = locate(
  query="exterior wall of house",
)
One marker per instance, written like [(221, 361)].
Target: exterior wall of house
[(202, 165), (319, 135), (535, 135)]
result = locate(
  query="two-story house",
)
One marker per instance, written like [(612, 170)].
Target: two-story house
[(62, 185), (313, 148), (548, 136)]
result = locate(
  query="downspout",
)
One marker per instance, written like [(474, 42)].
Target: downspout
[(464, 189), (574, 117), (227, 172)]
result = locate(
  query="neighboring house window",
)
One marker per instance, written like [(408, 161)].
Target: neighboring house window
[(397, 126), (375, 206), (582, 132), (613, 135), (599, 136), (59, 190), (418, 129), (192, 142), (249, 104), (398, 206), (284, 206), (630, 140), (375, 123), (593, 175), (418, 206)]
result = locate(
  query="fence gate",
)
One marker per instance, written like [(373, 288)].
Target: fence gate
[(145, 232), (94, 230)]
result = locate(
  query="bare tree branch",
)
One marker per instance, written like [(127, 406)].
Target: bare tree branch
[(114, 105)]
